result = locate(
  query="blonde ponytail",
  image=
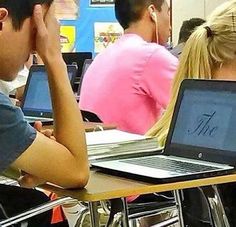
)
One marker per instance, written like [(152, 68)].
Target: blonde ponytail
[(211, 45)]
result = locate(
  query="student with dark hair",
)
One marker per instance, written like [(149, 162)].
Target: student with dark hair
[(27, 26), (135, 73), (128, 12), (187, 28)]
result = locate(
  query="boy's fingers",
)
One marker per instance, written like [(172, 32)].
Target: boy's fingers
[(38, 125), (38, 20), (47, 132)]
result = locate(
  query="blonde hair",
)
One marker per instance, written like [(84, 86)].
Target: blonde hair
[(210, 46)]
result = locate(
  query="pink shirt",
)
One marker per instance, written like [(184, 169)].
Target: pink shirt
[(129, 84)]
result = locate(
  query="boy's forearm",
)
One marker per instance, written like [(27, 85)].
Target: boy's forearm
[(68, 124)]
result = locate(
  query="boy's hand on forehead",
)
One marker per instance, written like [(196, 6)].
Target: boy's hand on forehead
[(47, 38)]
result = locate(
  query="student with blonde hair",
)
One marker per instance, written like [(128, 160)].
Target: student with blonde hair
[(210, 53)]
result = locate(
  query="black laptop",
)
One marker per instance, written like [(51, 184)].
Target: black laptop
[(201, 140), (86, 65), (36, 102), (77, 58)]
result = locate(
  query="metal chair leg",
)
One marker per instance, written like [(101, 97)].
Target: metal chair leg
[(94, 217), (133, 223), (81, 216), (116, 221), (178, 200), (217, 209)]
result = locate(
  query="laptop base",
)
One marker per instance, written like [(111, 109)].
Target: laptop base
[(156, 180)]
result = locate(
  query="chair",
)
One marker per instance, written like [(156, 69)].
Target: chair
[(203, 206), (90, 117), (35, 211), (139, 210)]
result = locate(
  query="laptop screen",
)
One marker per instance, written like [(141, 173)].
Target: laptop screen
[(206, 119), (37, 95), (86, 65)]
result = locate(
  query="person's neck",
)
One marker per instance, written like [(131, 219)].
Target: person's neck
[(142, 29), (226, 72)]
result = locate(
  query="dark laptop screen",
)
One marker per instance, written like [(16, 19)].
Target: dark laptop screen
[(77, 58), (37, 97), (206, 119)]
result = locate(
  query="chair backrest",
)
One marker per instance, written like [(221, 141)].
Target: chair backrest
[(196, 207), (90, 117)]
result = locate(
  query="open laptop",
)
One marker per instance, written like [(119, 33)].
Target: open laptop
[(86, 65), (77, 58), (36, 103), (201, 140)]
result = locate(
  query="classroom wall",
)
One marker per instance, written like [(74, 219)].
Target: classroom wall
[(85, 24), (181, 10), (186, 9)]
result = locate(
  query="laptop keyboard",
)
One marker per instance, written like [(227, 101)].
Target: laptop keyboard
[(169, 165), (33, 119), (7, 181)]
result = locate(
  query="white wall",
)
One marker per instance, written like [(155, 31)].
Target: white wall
[(186, 9)]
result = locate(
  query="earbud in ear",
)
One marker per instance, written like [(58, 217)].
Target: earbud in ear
[(154, 16)]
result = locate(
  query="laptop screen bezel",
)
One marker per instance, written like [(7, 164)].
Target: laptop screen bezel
[(193, 152), (41, 68)]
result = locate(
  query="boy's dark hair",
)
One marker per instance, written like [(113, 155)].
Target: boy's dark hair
[(188, 28), (19, 10), (128, 11)]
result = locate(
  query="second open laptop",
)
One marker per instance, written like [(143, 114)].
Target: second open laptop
[(36, 102), (86, 65), (201, 140)]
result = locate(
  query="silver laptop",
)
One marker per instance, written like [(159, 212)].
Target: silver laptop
[(36, 102), (201, 140)]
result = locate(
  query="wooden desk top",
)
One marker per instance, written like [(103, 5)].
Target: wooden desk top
[(102, 186), (93, 126), (89, 126)]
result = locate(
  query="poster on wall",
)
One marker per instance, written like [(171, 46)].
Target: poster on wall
[(101, 2), (67, 9), (67, 38), (105, 34)]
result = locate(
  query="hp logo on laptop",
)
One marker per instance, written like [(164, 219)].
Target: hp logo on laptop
[(200, 155)]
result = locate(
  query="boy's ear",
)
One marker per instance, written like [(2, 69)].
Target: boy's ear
[(3, 16), (152, 13)]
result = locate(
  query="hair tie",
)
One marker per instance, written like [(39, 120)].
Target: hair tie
[(209, 31)]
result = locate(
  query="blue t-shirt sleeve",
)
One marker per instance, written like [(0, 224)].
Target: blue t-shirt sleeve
[(16, 135)]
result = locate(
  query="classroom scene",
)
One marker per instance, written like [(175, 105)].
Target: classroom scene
[(117, 113)]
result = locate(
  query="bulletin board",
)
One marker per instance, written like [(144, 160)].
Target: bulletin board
[(101, 2), (67, 9), (92, 27)]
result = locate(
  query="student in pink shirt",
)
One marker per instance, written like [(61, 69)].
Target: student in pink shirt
[(128, 84)]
